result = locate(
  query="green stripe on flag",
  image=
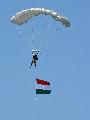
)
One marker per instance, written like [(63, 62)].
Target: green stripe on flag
[(41, 91)]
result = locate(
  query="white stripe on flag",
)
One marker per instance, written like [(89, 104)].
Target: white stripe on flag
[(44, 87)]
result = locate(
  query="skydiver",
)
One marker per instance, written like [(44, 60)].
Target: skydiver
[(34, 57)]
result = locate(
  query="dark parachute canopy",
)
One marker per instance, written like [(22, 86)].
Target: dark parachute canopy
[(25, 15)]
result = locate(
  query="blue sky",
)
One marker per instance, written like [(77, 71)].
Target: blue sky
[(65, 62)]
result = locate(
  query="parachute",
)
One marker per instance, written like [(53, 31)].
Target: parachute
[(25, 15)]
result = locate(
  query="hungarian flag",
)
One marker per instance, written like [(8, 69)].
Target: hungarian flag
[(43, 87)]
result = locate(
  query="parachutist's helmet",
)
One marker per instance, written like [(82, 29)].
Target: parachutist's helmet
[(35, 51)]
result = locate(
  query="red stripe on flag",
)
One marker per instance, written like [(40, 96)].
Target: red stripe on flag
[(43, 82)]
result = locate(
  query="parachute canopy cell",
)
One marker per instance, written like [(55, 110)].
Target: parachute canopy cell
[(25, 15)]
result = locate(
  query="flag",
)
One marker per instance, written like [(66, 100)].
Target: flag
[(43, 87)]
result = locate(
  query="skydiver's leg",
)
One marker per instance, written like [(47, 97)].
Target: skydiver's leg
[(31, 63), (35, 63)]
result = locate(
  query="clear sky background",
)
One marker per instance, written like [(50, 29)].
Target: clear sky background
[(65, 62)]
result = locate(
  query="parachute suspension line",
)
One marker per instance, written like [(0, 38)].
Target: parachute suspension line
[(31, 41), (19, 29), (32, 46), (44, 39), (28, 40)]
